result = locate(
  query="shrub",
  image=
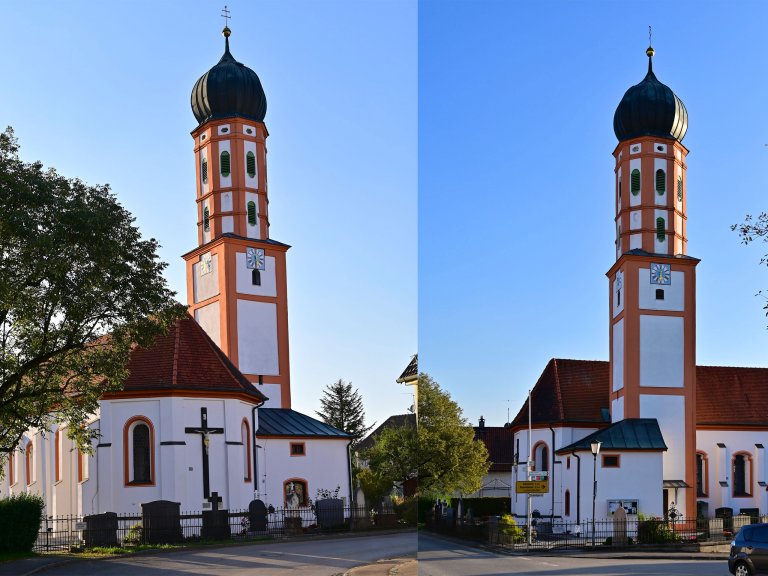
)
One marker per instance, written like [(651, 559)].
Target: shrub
[(654, 531), (405, 508), (509, 527), (20, 516)]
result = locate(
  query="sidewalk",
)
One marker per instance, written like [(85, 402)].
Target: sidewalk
[(393, 567)]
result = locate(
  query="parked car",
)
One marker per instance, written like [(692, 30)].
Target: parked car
[(749, 551)]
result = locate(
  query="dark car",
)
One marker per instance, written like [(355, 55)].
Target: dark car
[(749, 551)]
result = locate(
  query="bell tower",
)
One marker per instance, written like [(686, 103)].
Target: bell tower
[(652, 296), (236, 277)]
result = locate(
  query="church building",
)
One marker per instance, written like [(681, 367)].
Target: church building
[(667, 438), (207, 408)]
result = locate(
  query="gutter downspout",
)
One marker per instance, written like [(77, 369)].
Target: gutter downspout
[(349, 471), (578, 487), (253, 442), (552, 476)]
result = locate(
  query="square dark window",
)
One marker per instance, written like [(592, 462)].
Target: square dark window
[(297, 449), (256, 278), (610, 461), (659, 294)]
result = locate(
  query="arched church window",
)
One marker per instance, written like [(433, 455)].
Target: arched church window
[(742, 474), (11, 468), (204, 170), (634, 184), (661, 181), (139, 450), (660, 234), (224, 163), (30, 463), (57, 455), (567, 503), (245, 433), (295, 492), (540, 457), (206, 220), (252, 212), (250, 164)]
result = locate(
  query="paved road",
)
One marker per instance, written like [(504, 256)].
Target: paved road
[(439, 557), (324, 557)]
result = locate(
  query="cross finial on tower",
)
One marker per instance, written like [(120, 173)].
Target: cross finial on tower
[(649, 34), (650, 51), (226, 16)]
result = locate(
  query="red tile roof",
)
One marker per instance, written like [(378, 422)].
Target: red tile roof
[(498, 441), (185, 358), (577, 392)]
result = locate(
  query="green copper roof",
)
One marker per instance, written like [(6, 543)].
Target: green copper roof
[(287, 422), (629, 434)]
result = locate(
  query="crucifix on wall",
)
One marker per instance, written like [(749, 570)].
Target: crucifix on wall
[(205, 432)]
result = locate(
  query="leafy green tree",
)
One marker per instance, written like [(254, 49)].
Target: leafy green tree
[(78, 287), (442, 451), (342, 408)]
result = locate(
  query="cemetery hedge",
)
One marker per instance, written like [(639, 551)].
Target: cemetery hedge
[(20, 516)]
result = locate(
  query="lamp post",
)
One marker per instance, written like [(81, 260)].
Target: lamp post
[(595, 451)]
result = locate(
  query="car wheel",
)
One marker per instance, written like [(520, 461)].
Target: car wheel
[(741, 569)]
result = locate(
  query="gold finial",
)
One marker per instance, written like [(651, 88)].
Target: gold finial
[(650, 52), (226, 32)]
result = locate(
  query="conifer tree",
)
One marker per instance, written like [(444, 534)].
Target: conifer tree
[(342, 408)]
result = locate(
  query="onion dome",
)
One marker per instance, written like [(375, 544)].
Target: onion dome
[(228, 89), (650, 109)]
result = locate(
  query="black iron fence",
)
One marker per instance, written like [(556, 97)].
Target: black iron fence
[(553, 533), (129, 530)]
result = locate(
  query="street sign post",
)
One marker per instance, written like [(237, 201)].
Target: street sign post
[(532, 486)]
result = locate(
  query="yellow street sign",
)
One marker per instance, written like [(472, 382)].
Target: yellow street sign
[(532, 486)]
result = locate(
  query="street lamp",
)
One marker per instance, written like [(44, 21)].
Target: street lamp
[(595, 446)]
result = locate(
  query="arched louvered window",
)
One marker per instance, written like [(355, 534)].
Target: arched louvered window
[(141, 453), (206, 220), (30, 463), (634, 184), (250, 164), (619, 191), (661, 181), (256, 278), (204, 170), (660, 234), (224, 161), (679, 188), (245, 435), (567, 503), (252, 213)]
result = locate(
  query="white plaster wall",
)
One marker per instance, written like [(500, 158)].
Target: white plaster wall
[(227, 224), (252, 230), (635, 241), (661, 247), (661, 351), (635, 219), (669, 411), (617, 409), (623, 483), (244, 284), (324, 466), (674, 294), (226, 181), (271, 391), (257, 338), (208, 318), (634, 200), (719, 461), (618, 355), (226, 201), (205, 285), (660, 164), (250, 182)]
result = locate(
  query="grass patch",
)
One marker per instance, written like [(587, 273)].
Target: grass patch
[(11, 556)]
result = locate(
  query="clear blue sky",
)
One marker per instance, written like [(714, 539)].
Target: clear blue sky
[(516, 230), (101, 91)]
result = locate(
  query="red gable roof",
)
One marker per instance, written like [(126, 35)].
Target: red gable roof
[(577, 392), (185, 358), (498, 442)]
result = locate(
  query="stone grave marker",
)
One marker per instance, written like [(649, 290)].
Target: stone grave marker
[(257, 516), (619, 527), (161, 520)]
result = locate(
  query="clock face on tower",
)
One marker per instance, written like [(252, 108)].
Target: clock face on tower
[(254, 258), (661, 274)]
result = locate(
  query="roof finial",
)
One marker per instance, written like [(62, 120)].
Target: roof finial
[(226, 32), (650, 51)]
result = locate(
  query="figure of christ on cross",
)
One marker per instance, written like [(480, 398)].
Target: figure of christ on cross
[(204, 432)]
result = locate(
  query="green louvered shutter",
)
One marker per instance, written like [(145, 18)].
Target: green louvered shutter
[(206, 220), (661, 181), (224, 163), (204, 170), (252, 213), (250, 164), (634, 185), (660, 229)]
